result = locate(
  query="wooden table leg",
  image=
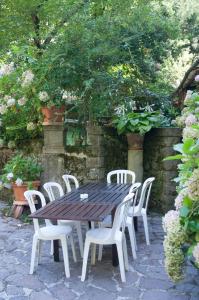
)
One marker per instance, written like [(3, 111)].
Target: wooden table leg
[(115, 261), (56, 250), (135, 220)]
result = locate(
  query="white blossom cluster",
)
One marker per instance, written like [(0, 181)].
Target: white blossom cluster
[(27, 78), (43, 96), (171, 220), (6, 69), (196, 253)]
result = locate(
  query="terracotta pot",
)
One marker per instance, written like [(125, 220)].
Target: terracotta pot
[(53, 115), (19, 192), (135, 141)]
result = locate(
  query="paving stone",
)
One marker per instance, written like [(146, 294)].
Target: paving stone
[(162, 295), (42, 296), (146, 279), (62, 292), (152, 283), (29, 281), (1, 286), (14, 290)]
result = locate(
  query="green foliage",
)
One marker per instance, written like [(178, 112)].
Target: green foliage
[(138, 122)]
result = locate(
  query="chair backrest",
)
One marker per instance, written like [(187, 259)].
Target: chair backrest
[(135, 189), (30, 197), (69, 181), (50, 188), (121, 214), (122, 176), (145, 193)]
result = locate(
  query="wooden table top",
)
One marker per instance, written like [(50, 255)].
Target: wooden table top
[(102, 199)]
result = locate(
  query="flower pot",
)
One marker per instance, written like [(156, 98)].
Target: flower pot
[(53, 115), (135, 141), (20, 200)]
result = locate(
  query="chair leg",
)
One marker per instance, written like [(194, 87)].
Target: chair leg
[(39, 246), (73, 248), (126, 261), (100, 252), (51, 248), (121, 261), (132, 238), (85, 260), (65, 256), (33, 255), (146, 229), (80, 239), (93, 254)]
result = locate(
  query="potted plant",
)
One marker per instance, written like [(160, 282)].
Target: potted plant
[(136, 124), (21, 173)]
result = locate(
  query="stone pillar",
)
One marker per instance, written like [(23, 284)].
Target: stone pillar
[(135, 155), (158, 145), (53, 154), (95, 157)]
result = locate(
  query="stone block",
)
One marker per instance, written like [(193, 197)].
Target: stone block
[(95, 162), (53, 139)]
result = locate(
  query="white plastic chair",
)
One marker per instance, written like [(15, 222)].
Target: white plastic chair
[(50, 188), (110, 236), (140, 210), (69, 180), (107, 223), (51, 232), (122, 176)]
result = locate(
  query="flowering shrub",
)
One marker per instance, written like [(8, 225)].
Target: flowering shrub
[(20, 169), (181, 226)]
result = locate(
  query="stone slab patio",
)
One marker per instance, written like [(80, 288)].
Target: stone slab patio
[(146, 279)]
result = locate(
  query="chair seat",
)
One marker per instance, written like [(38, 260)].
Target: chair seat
[(53, 231), (103, 236)]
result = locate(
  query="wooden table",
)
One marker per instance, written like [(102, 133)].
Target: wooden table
[(102, 201)]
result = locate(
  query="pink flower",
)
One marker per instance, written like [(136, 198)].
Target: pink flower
[(178, 201), (197, 78), (170, 220), (190, 120)]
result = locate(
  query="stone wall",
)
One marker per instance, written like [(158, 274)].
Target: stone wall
[(101, 152), (158, 144)]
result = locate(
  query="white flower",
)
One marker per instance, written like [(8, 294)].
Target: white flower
[(68, 96), (120, 110), (22, 101), (6, 69), (196, 253), (31, 126), (189, 94), (170, 220), (43, 96), (11, 145), (178, 201), (197, 78), (11, 102), (27, 78), (10, 176), (190, 132), (3, 109), (19, 181), (190, 120)]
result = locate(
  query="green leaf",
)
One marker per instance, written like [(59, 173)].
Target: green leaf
[(178, 148), (184, 211), (174, 157)]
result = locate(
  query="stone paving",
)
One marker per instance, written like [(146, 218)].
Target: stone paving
[(146, 279)]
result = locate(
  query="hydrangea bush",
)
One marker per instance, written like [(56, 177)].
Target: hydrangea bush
[(181, 225)]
